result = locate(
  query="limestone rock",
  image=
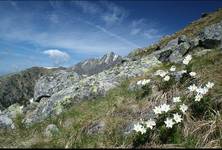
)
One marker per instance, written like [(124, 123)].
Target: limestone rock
[(51, 130), (211, 36)]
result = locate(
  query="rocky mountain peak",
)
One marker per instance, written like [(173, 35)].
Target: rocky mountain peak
[(96, 65)]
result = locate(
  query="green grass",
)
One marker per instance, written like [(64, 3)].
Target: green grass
[(121, 107)]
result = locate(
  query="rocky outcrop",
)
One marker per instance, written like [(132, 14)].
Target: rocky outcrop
[(211, 36), (6, 122), (89, 87), (93, 66), (19, 87), (48, 85)]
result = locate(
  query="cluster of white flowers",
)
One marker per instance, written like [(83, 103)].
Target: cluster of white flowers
[(163, 74), (139, 128), (187, 59), (143, 82), (169, 122), (164, 108), (144, 125), (200, 91)]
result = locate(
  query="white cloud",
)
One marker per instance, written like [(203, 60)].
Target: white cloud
[(58, 56), (135, 31), (113, 14), (152, 33), (87, 7), (137, 26), (139, 22), (149, 31)]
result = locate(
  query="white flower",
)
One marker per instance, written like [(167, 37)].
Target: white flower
[(193, 74), (209, 85), (144, 82), (198, 97), (183, 108), (20, 108), (139, 128), (176, 99), (192, 88), (161, 73), (150, 123), (177, 118), (202, 91), (169, 123), (157, 110), (166, 78), (165, 108), (31, 100), (173, 68), (183, 71), (139, 82), (187, 59)]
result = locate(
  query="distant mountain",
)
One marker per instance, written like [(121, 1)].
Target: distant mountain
[(94, 66), (19, 87)]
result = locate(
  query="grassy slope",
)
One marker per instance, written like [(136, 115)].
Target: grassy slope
[(117, 109), (190, 30)]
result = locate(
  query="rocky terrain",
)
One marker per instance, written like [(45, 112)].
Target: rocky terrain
[(86, 98)]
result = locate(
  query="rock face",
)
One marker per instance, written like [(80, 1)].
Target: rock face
[(19, 87), (47, 85), (89, 87), (93, 66), (211, 36), (6, 122)]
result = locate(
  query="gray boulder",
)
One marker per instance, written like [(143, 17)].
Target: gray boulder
[(211, 36), (51, 130), (6, 122), (89, 88), (182, 38), (50, 84)]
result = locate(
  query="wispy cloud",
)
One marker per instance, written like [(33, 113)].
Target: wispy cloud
[(88, 7), (113, 35), (114, 13), (58, 56), (152, 33), (149, 31), (107, 11)]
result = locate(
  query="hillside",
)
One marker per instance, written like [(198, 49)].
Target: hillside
[(168, 95)]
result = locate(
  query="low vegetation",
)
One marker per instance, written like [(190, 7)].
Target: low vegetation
[(108, 121)]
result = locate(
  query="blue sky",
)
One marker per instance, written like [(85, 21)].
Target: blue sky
[(54, 33)]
